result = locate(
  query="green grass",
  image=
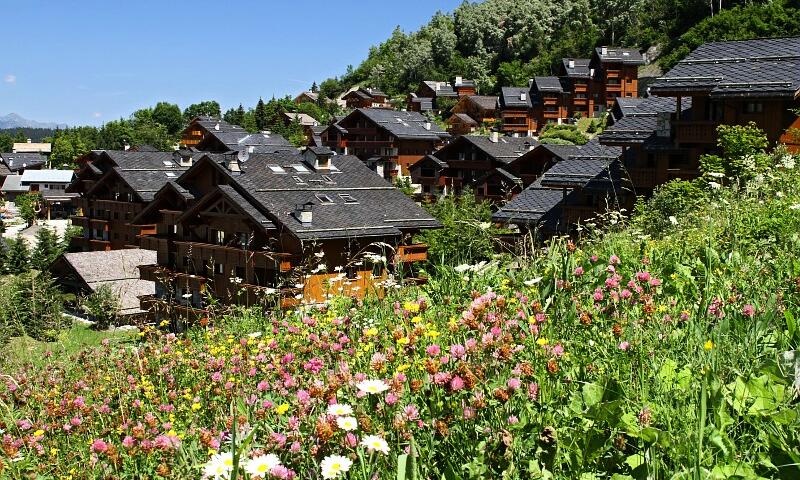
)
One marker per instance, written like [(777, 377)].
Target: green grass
[(22, 350)]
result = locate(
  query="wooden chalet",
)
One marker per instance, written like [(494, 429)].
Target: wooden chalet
[(114, 186), (366, 98), (387, 141), (587, 183), (481, 109), (424, 99), (276, 228), (732, 83), (306, 97), (465, 87), (461, 124), (17, 163), (464, 161)]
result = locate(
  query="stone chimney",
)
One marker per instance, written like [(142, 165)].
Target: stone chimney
[(459, 81), (494, 137), (603, 50), (427, 125), (571, 63)]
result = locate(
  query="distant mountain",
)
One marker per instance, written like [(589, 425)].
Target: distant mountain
[(12, 120)]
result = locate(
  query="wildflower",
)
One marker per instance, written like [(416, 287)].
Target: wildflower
[(219, 466), (282, 409), (260, 466), (339, 409), (456, 384), (374, 443), (513, 420), (514, 383), (748, 311), (333, 465), (578, 271), (541, 342), (99, 446), (372, 386), (347, 423), (624, 346), (708, 345)]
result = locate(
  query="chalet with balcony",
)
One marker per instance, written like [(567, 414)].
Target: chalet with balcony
[(461, 124), (17, 163), (56, 202), (306, 97), (366, 98), (211, 134), (516, 111), (616, 73), (465, 160), (114, 186), (481, 109), (732, 83), (648, 154), (387, 141), (587, 183), (276, 228), (550, 101)]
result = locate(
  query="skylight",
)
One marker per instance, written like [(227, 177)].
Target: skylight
[(300, 168), (167, 163), (324, 198), (170, 174), (276, 169), (347, 198)]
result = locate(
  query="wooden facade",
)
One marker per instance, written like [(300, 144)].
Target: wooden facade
[(366, 98)]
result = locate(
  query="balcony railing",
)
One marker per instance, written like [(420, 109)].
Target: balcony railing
[(417, 252), (695, 131), (643, 177)]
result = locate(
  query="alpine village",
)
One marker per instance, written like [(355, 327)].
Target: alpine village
[(527, 257)]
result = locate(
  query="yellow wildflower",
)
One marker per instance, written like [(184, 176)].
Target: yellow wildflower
[(708, 345), (38, 433), (196, 406), (282, 409), (371, 332), (541, 342)]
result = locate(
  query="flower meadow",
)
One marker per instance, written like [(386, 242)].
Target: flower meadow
[(617, 356)]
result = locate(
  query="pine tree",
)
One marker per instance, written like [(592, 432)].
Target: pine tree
[(314, 87), (18, 256), (47, 249), (261, 115)]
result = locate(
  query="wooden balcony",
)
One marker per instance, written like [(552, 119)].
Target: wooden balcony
[(160, 273), (417, 252), (578, 213), (643, 177), (229, 255), (79, 221), (693, 132), (80, 242), (99, 245)]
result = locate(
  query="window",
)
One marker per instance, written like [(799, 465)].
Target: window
[(300, 168), (298, 180), (170, 174), (753, 107), (347, 198), (220, 237), (168, 163), (244, 239), (328, 179), (276, 169), (218, 268), (324, 198)]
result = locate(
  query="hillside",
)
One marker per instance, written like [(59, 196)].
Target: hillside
[(14, 121), (505, 42), (662, 348)]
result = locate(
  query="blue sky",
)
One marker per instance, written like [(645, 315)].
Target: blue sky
[(90, 61)]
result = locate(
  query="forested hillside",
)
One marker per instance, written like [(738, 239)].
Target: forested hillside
[(505, 42)]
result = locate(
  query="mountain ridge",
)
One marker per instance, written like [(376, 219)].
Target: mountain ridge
[(14, 120)]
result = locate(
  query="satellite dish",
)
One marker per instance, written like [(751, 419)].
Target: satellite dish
[(243, 155)]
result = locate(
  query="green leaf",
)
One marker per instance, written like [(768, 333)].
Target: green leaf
[(635, 460), (592, 394), (401, 466), (791, 323)]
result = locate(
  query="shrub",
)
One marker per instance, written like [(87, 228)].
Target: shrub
[(26, 204), (32, 305), (102, 306), (569, 133), (667, 206)]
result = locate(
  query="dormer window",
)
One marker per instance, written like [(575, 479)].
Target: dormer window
[(324, 199)]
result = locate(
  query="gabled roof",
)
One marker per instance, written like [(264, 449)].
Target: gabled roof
[(485, 102), (629, 56), (592, 166), (18, 161), (742, 68), (534, 205), (512, 97), (429, 159), (441, 89), (13, 184), (462, 118), (302, 118), (623, 105), (642, 122), (144, 172), (548, 84), (403, 125), (47, 176), (561, 152), (236, 138), (505, 150), (118, 269), (580, 68), (464, 82), (361, 203), (425, 103)]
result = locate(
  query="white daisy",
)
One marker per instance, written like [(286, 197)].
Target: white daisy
[(339, 409), (219, 466), (374, 443), (347, 423), (372, 386), (260, 466), (333, 465)]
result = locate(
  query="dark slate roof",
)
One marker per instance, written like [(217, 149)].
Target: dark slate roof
[(465, 118), (506, 149), (623, 105), (486, 102), (237, 138), (130, 160), (18, 161), (404, 125), (594, 149), (465, 82), (145, 172), (378, 208), (441, 89), (580, 70), (510, 97), (548, 84), (592, 166), (533, 205), (629, 56), (425, 103), (562, 152), (748, 68), (147, 182), (641, 122)]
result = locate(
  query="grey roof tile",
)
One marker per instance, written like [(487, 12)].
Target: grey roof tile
[(512, 97), (404, 125)]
